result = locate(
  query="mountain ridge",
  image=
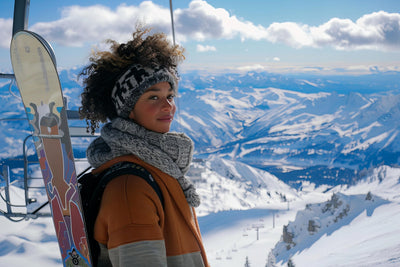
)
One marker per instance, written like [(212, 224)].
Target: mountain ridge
[(270, 121)]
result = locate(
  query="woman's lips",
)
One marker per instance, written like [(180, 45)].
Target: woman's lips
[(166, 118)]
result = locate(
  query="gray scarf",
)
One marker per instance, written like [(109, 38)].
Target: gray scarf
[(170, 152)]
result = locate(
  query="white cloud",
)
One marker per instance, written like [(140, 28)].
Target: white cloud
[(289, 33), (277, 59), (201, 21), (205, 48), (375, 31), (255, 67), (79, 25), (5, 32)]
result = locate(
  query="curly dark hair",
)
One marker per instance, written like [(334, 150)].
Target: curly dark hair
[(106, 66)]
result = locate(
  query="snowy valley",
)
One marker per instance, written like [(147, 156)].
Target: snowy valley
[(307, 172)]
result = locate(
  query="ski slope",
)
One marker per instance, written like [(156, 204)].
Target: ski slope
[(369, 236)]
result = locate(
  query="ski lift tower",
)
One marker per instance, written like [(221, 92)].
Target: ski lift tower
[(257, 227)]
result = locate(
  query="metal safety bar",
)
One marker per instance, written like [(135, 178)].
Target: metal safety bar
[(27, 186)]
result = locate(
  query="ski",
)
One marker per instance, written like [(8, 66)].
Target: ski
[(35, 71)]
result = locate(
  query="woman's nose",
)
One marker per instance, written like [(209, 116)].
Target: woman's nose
[(167, 103)]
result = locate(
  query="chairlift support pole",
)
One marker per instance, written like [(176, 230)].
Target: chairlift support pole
[(172, 21), (20, 22), (21, 14), (6, 175)]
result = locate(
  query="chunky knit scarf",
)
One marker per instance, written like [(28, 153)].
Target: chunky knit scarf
[(169, 152)]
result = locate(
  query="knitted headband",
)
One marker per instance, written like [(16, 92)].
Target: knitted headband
[(134, 82)]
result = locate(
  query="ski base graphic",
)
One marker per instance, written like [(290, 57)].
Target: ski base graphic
[(38, 82)]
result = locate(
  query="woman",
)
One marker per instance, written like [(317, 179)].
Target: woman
[(133, 86)]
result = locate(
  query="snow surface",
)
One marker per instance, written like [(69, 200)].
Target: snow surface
[(369, 235)]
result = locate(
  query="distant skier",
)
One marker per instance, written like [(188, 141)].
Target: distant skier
[(132, 87)]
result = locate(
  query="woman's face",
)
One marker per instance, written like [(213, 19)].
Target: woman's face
[(155, 108)]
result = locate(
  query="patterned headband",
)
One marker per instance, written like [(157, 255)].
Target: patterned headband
[(134, 82)]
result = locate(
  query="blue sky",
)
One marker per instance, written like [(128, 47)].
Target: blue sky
[(352, 36)]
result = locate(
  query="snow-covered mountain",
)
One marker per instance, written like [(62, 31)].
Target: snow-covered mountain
[(322, 219), (267, 126), (359, 220), (292, 126), (304, 131), (232, 185)]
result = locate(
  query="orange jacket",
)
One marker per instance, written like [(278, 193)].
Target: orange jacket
[(131, 214)]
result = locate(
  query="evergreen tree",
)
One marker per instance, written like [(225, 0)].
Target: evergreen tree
[(290, 263), (247, 263), (271, 261)]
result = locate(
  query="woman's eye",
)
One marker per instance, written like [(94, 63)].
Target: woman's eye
[(155, 97)]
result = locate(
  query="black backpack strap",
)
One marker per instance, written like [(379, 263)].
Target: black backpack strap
[(123, 168)]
